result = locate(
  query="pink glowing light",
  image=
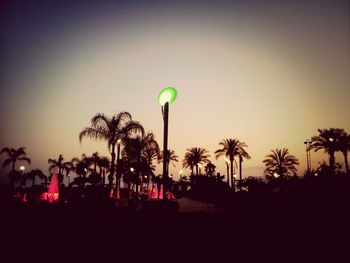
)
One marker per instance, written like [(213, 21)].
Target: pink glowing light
[(53, 195), (118, 193)]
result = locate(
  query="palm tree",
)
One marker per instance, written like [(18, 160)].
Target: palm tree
[(194, 157), (328, 140), (280, 163), (241, 155), (210, 169), (68, 167), (141, 151), (232, 148), (103, 164), (150, 149), (33, 174), (81, 168), (59, 165), (111, 129), (172, 157), (344, 146), (13, 156)]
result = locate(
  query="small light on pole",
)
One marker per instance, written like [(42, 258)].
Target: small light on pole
[(166, 97)]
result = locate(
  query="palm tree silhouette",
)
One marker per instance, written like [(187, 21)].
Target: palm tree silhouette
[(194, 157), (232, 148), (33, 174), (241, 155), (172, 157), (280, 163), (68, 167), (111, 129), (328, 140), (57, 164), (210, 169), (344, 146), (141, 151), (13, 156), (81, 168)]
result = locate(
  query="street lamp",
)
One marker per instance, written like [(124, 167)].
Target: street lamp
[(121, 136), (165, 97), (22, 168), (234, 180)]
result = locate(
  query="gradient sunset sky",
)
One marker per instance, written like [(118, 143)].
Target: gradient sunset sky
[(269, 73)]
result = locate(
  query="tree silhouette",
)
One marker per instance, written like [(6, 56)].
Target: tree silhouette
[(111, 129), (232, 148), (210, 169), (13, 156), (172, 157), (194, 157), (344, 146), (280, 163), (59, 165), (140, 152), (328, 140), (33, 174)]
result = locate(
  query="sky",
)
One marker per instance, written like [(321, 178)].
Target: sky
[(269, 73)]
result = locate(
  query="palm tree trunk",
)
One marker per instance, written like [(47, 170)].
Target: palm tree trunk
[(345, 153), (332, 163), (228, 174), (232, 183), (111, 173), (13, 165), (240, 173)]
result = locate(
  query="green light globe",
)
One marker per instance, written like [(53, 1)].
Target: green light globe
[(167, 95)]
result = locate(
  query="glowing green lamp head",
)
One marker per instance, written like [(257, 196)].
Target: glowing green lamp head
[(167, 95)]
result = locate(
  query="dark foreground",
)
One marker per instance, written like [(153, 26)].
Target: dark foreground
[(276, 227)]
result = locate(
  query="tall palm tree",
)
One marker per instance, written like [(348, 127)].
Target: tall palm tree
[(232, 148), (241, 155), (172, 157), (280, 163), (111, 129), (328, 140), (13, 156), (194, 157), (344, 146)]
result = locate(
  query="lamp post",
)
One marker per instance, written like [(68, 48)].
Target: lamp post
[(308, 157), (165, 97), (22, 168), (119, 141)]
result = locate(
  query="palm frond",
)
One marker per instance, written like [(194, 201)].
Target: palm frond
[(25, 159), (6, 162)]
